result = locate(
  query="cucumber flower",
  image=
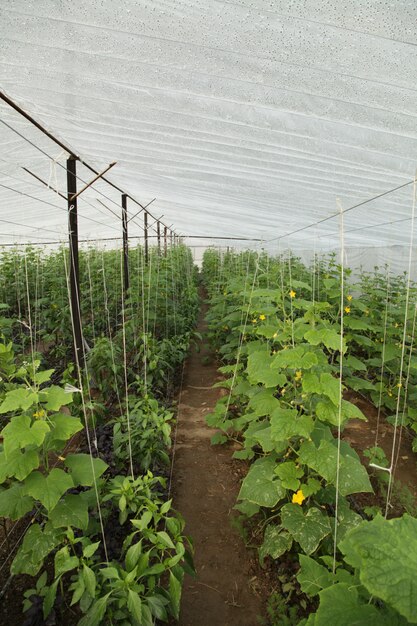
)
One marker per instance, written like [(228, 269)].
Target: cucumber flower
[(293, 293), (298, 497), (347, 309), (262, 317)]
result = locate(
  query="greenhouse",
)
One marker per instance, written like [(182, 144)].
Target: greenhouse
[(208, 311)]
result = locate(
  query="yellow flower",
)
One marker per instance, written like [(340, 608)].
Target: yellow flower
[(293, 293), (347, 309), (262, 317), (298, 498), (396, 325), (349, 298), (283, 390), (39, 414), (61, 458), (254, 321), (399, 385), (274, 335), (298, 375)]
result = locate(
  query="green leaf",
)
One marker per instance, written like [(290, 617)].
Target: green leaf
[(48, 489), (276, 542), (327, 336), (294, 358), (357, 324), (89, 580), (90, 550), (165, 539), (263, 403), (20, 432), (326, 411), (355, 364), (385, 552), (339, 606), (175, 594), (261, 486), (330, 387), (21, 398), (353, 477), (36, 546), (64, 562), (96, 612), (49, 599), (307, 529), (72, 510), (64, 427), (134, 604), (286, 423), (85, 468), (43, 377), (313, 486), (259, 370), (132, 556), (289, 474), (14, 504), (55, 397), (18, 464), (312, 576), (156, 605)]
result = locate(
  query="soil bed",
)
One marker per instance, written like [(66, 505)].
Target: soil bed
[(229, 588)]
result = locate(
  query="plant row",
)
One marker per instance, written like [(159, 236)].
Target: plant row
[(277, 327), (84, 460)]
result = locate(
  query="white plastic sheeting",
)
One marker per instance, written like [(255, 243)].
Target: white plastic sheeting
[(244, 118)]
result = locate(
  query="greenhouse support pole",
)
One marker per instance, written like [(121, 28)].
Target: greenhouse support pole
[(145, 232), (73, 261), (158, 234), (125, 245), (165, 240)]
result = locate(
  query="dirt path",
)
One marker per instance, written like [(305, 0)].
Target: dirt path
[(205, 485)]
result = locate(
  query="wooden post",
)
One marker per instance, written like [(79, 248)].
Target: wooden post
[(165, 240), (73, 261), (158, 234), (145, 226), (125, 246)]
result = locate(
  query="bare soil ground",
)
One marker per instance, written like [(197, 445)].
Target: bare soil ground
[(206, 481)]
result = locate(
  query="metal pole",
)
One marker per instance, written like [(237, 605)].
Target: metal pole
[(165, 240), (73, 261), (158, 234), (145, 226), (125, 245)]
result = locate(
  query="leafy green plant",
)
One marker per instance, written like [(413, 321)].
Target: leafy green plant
[(149, 433)]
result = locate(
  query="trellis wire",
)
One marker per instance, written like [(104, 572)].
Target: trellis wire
[(81, 391), (339, 421)]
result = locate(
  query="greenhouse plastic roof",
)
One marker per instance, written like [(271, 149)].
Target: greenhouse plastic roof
[(244, 118)]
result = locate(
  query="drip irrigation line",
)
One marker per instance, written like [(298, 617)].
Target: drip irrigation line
[(333, 215)]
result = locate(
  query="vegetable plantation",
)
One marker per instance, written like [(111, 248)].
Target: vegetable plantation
[(208, 313), (295, 346), (85, 491)]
